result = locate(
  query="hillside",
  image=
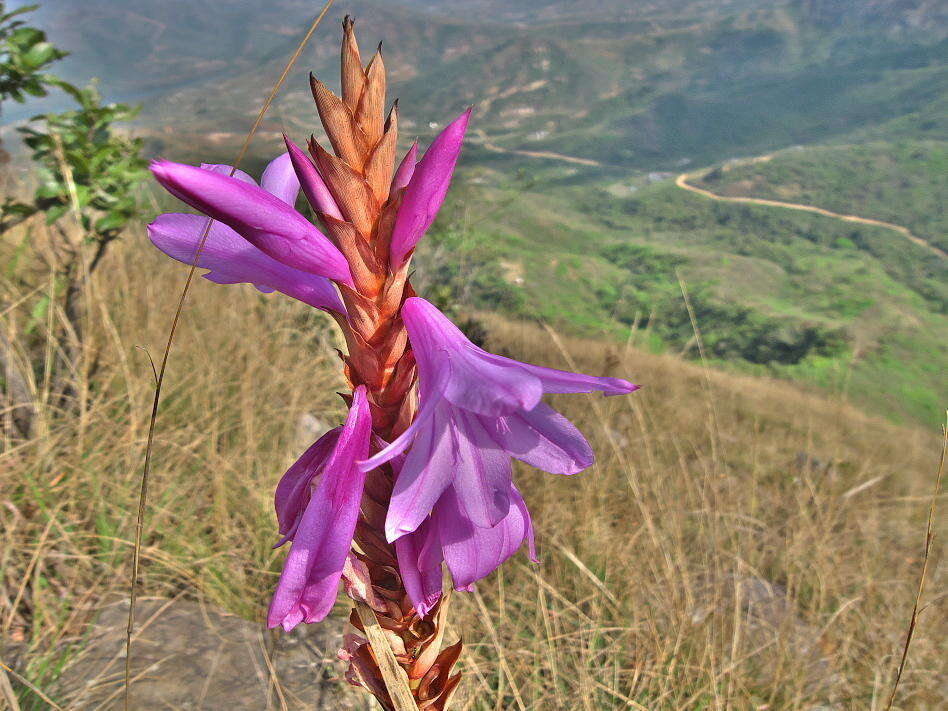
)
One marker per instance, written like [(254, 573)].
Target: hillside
[(641, 86), (905, 182), (851, 308), (739, 543), (565, 206)]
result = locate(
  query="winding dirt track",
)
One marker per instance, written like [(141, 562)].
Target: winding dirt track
[(682, 182)]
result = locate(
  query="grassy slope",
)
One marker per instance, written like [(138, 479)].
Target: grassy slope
[(707, 487), (850, 308), (905, 183)]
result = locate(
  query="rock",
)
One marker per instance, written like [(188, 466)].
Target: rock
[(309, 429), (191, 656), (771, 625)]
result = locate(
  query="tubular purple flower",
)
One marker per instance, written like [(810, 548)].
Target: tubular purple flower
[(232, 259), (426, 189), (476, 411), (259, 217), (314, 188), (320, 521)]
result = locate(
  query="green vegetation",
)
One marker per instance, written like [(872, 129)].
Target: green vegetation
[(903, 182), (856, 309), (655, 86), (88, 176), (24, 55)]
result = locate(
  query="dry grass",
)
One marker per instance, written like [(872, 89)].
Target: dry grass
[(739, 545)]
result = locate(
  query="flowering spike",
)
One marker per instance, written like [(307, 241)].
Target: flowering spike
[(408, 484)]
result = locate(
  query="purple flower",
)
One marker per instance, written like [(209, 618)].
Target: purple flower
[(427, 184), (314, 188), (470, 551), (317, 504), (476, 411), (232, 259), (260, 217)]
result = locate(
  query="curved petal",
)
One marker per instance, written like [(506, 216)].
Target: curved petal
[(233, 260), (563, 381), (256, 215), (224, 169), (406, 168), (419, 564), (426, 189), (473, 553), (293, 492), (445, 356), (279, 179), (482, 471), (427, 471), (542, 438), (311, 181), (310, 578)]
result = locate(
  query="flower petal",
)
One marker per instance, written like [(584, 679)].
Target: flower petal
[(233, 260), (452, 364), (279, 179), (482, 471), (224, 169), (293, 492), (542, 438), (563, 381), (428, 401), (406, 168), (427, 471), (471, 552), (256, 215), (311, 181), (310, 578), (419, 564), (426, 189)]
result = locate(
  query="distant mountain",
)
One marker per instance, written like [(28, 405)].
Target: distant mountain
[(641, 85), (565, 206)]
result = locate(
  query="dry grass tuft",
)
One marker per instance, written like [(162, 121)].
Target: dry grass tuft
[(739, 544)]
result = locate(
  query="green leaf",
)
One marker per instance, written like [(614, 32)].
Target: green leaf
[(40, 54), (24, 37), (49, 190), (37, 314), (112, 221), (55, 212)]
